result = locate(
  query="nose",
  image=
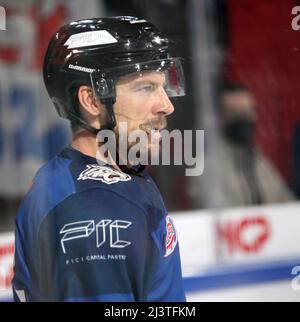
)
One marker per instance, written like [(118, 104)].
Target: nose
[(163, 104)]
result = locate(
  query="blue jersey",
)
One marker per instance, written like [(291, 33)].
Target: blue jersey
[(87, 232)]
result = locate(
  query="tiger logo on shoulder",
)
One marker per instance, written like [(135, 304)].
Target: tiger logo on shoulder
[(103, 173)]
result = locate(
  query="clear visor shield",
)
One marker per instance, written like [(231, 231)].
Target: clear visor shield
[(174, 82)]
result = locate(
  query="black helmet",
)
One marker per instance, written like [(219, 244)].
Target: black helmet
[(96, 52)]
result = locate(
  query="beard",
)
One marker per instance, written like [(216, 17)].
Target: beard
[(142, 144), (132, 142)]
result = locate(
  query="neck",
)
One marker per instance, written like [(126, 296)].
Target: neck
[(86, 143)]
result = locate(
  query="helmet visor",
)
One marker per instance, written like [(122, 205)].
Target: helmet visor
[(171, 68)]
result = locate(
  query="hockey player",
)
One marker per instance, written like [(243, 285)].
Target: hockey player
[(90, 229)]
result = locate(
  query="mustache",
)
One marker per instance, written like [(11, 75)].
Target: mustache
[(159, 122)]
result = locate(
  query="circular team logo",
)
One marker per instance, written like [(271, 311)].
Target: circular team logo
[(171, 237)]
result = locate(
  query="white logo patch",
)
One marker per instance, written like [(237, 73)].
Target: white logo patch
[(102, 173), (90, 38), (85, 228)]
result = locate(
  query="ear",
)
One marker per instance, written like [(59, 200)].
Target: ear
[(87, 100)]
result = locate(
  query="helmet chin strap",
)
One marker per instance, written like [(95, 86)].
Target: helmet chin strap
[(110, 125), (79, 121), (111, 122), (133, 170)]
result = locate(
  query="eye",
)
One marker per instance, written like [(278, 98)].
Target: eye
[(149, 87)]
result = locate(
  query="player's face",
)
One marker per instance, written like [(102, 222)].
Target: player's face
[(143, 104)]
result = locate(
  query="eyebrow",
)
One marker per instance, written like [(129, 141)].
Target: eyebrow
[(147, 81), (133, 78)]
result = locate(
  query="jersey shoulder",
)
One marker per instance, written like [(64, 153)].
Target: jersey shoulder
[(52, 183)]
